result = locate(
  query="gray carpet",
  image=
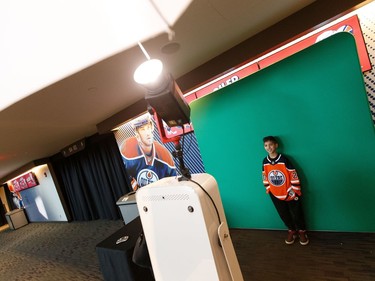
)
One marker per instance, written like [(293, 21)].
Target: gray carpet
[(53, 251), (66, 251)]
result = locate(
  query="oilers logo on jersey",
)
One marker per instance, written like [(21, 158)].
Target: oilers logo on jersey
[(276, 178), (146, 177)]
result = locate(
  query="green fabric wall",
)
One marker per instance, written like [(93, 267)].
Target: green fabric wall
[(315, 102)]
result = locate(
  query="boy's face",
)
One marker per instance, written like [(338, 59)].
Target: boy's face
[(270, 147)]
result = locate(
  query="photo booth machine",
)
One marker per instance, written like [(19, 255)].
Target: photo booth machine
[(183, 217)]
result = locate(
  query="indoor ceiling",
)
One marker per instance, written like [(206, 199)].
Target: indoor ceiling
[(43, 123)]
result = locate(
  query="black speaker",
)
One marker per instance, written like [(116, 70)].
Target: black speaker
[(169, 103)]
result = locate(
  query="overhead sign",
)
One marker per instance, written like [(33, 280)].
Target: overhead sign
[(25, 181), (74, 148), (350, 25)]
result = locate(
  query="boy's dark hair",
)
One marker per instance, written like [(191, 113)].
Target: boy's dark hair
[(270, 138)]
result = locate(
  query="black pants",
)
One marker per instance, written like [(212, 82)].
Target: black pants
[(290, 212)]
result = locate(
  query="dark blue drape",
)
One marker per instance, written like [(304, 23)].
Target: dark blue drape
[(93, 179)]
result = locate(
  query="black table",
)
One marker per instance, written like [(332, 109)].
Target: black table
[(116, 259)]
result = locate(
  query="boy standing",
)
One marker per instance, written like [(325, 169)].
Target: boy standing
[(282, 184)]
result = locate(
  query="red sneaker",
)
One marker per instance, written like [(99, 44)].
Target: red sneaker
[(291, 237), (303, 239)]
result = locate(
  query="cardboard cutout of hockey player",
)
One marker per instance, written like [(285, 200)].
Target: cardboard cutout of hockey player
[(145, 159)]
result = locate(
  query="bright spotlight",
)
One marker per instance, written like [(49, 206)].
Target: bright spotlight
[(148, 72)]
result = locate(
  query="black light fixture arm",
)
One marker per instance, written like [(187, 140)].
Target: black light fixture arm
[(178, 153)]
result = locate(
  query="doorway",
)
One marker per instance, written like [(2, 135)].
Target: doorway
[(4, 206)]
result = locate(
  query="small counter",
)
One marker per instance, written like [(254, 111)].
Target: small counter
[(128, 207), (16, 218)]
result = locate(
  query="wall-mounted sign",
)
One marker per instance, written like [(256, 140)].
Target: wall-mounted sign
[(350, 25), (74, 148), (25, 181), (228, 80)]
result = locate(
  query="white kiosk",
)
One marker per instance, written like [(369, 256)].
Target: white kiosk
[(182, 218), (186, 230)]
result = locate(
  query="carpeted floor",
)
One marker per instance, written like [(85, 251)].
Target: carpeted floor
[(53, 251), (66, 251)]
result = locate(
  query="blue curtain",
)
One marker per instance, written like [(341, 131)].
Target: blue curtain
[(93, 179)]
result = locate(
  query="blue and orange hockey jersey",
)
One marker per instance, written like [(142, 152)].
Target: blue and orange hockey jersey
[(280, 178), (143, 169)]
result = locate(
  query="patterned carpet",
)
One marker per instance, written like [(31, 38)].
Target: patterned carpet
[(66, 252), (53, 251)]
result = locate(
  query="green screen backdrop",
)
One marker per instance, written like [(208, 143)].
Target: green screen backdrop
[(315, 102)]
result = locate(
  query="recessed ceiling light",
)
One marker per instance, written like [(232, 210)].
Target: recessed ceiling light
[(170, 48)]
